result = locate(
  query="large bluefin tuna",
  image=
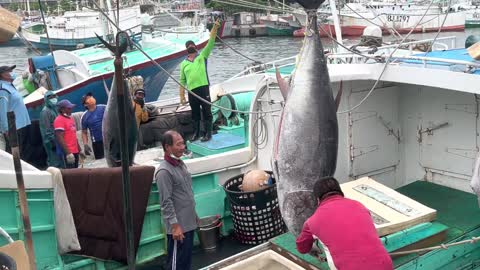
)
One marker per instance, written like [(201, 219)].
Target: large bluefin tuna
[(111, 124), (307, 142)]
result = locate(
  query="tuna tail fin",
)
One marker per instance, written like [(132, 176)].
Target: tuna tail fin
[(310, 4), (121, 43)]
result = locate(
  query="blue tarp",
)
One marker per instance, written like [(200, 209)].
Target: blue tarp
[(454, 54), (44, 63)]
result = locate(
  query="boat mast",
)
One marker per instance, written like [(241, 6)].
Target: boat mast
[(104, 21), (336, 23), (54, 82), (28, 7), (114, 18)]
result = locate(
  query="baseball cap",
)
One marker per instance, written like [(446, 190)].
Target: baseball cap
[(7, 68), (139, 91), (87, 95), (65, 103), (188, 43)]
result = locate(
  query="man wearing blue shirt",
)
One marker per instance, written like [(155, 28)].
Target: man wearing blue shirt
[(12, 100), (92, 119)]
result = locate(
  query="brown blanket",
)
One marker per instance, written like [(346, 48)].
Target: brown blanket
[(96, 200)]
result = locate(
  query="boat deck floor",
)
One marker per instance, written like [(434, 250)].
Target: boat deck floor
[(227, 247), (456, 209)]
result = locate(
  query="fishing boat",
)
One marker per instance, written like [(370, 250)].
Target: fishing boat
[(398, 17), (77, 29), (73, 74), (245, 24), (280, 25), (416, 133), (472, 19)]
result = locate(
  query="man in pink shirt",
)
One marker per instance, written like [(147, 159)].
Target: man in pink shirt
[(66, 134), (345, 229)]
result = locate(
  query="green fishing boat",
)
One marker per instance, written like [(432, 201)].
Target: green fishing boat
[(397, 137)]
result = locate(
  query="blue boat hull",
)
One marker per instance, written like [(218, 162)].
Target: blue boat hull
[(65, 44), (154, 80), (15, 41)]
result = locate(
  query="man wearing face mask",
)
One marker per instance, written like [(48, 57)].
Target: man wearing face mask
[(177, 201), (92, 120), (47, 117), (193, 75), (12, 100), (66, 134), (141, 114)]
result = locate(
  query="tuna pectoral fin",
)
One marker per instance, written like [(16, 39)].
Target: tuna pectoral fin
[(339, 96), (282, 84), (298, 206)]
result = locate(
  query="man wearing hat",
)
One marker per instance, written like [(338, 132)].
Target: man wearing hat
[(92, 120), (141, 114), (66, 134), (12, 101), (193, 75)]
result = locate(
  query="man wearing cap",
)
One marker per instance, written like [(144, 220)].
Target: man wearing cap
[(193, 75), (66, 134), (141, 114), (47, 116), (12, 101), (92, 120)]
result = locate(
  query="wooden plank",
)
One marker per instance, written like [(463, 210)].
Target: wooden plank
[(395, 211)]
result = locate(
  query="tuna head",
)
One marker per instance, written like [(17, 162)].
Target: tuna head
[(111, 128), (306, 146)]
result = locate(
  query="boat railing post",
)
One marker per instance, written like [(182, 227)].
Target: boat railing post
[(122, 118), (22, 195)]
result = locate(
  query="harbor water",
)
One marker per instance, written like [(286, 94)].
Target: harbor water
[(224, 63)]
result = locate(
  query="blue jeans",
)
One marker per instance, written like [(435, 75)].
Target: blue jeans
[(184, 251)]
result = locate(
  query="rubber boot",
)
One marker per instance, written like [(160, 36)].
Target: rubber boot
[(208, 131), (196, 130)]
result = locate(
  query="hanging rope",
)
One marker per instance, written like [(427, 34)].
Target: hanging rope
[(441, 26), (249, 5), (176, 81), (174, 256), (386, 64), (28, 43), (233, 49), (473, 240)]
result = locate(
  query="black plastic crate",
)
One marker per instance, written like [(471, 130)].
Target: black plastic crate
[(256, 215)]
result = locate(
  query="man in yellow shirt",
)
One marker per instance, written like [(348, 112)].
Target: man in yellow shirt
[(193, 75), (141, 114)]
